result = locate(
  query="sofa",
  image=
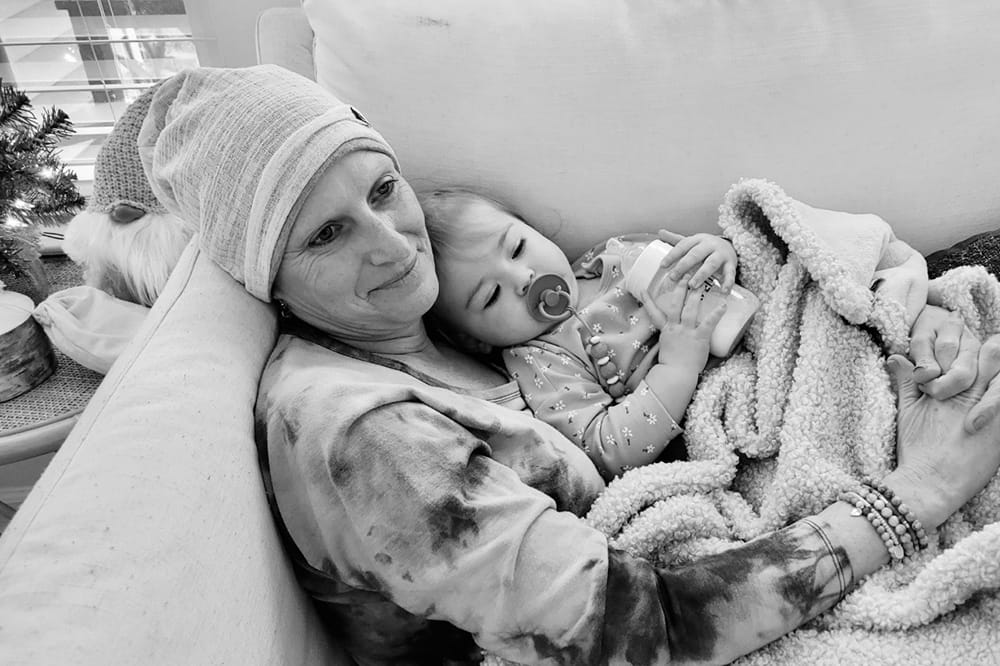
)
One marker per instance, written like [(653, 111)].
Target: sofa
[(148, 539)]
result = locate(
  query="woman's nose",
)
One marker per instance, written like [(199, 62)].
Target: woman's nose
[(386, 243)]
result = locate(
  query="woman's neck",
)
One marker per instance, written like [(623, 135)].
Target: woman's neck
[(452, 367), (412, 343), (409, 338), (415, 348)]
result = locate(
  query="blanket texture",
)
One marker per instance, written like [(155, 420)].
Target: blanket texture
[(778, 430)]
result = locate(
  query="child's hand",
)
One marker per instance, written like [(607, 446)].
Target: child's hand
[(698, 257), (685, 330)]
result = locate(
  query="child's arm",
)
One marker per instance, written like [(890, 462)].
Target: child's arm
[(685, 334), (562, 390)]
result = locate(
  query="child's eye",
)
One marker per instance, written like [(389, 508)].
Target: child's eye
[(518, 249), (326, 235), (493, 297)]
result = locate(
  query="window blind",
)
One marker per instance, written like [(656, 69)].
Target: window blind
[(92, 58)]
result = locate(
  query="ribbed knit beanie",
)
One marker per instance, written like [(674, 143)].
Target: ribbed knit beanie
[(236, 150)]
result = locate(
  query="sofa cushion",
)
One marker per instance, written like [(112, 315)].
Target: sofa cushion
[(148, 539), (283, 36), (610, 116)]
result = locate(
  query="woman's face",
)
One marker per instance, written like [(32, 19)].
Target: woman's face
[(358, 262)]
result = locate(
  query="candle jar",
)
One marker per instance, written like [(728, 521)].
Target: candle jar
[(26, 357)]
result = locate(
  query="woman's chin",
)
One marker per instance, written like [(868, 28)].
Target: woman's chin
[(423, 300), (409, 300)]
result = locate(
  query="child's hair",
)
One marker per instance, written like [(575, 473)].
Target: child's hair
[(449, 235), (441, 214)]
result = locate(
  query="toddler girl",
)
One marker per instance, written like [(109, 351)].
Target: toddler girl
[(616, 377)]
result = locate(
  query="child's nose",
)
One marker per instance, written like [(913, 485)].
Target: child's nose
[(526, 278)]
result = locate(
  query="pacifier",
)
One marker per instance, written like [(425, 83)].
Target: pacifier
[(549, 299)]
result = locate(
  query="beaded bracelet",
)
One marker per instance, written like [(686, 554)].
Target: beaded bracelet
[(897, 526), (863, 507), (893, 522), (918, 535)]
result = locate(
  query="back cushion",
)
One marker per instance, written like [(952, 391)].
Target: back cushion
[(604, 116)]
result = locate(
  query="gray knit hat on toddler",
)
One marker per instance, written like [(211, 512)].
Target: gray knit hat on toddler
[(235, 151)]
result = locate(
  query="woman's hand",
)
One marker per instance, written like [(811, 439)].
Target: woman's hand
[(940, 464), (698, 257), (946, 355)]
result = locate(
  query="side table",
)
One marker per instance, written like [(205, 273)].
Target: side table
[(35, 423)]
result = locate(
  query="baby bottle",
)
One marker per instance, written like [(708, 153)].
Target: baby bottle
[(641, 266)]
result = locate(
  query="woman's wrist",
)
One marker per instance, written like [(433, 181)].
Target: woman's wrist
[(865, 547), (862, 546), (928, 503)]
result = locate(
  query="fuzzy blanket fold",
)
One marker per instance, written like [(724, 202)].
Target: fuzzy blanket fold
[(778, 430)]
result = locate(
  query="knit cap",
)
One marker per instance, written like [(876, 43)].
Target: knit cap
[(235, 151), (120, 188)]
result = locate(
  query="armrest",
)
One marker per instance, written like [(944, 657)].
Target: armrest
[(148, 538), (284, 37)]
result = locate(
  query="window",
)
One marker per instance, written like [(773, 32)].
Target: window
[(92, 58)]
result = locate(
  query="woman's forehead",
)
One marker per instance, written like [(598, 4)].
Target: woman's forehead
[(341, 185), (355, 170)]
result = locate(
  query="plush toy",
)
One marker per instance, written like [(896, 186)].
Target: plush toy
[(126, 240)]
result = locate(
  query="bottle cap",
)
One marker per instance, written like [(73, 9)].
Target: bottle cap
[(645, 268)]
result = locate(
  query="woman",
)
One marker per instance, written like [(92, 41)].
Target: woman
[(413, 499)]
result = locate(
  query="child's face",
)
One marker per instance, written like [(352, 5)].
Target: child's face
[(484, 280)]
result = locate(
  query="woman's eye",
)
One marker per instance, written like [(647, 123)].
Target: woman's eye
[(326, 235), (493, 297), (386, 188), (518, 249)]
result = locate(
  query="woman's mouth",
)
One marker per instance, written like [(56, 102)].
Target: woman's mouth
[(399, 277)]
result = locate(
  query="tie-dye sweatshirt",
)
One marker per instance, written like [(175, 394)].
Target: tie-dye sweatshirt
[(418, 515)]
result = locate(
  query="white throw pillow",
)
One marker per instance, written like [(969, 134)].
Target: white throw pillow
[(608, 115), (90, 326)]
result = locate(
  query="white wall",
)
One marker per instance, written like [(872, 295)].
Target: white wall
[(232, 24)]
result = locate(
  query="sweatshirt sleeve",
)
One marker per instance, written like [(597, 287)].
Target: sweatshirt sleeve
[(410, 505), (565, 393)]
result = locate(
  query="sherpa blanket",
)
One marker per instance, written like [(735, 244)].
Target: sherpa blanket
[(778, 430)]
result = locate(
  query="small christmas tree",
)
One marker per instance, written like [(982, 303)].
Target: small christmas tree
[(35, 188)]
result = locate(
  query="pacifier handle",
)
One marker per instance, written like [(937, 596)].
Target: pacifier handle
[(548, 298)]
